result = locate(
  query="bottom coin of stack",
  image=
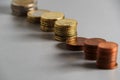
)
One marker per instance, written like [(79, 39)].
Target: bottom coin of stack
[(91, 46), (34, 15), (64, 29), (75, 44), (107, 55)]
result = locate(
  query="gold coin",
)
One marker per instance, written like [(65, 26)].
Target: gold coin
[(37, 13), (23, 2), (52, 16), (66, 22)]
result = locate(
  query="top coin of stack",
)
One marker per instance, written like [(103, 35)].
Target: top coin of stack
[(48, 20), (34, 15), (65, 28), (21, 7), (107, 55)]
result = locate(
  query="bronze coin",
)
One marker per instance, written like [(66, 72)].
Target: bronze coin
[(93, 42), (75, 43), (108, 46)]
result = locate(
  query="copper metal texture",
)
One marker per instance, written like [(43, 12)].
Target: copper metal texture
[(107, 55), (48, 20), (65, 28), (91, 46), (34, 15), (21, 7), (75, 44)]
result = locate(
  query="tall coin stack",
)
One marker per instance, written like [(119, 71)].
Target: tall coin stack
[(107, 55), (48, 20), (21, 7), (91, 47), (34, 15), (65, 28)]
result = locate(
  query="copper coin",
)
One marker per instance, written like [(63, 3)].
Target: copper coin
[(76, 43), (106, 59), (108, 46), (93, 42)]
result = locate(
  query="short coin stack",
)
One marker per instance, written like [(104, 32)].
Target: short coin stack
[(107, 55), (91, 46), (34, 15), (48, 20), (21, 7), (75, 44), (64, 29)]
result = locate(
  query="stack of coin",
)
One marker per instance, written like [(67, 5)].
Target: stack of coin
[(21, 7), (48, 20), (75, 44), (34, 15), (90, 48), (107, 55), (65, 28)]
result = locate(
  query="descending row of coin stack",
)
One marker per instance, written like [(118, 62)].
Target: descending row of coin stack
[(104, 52), (56, 22), (65, 30)]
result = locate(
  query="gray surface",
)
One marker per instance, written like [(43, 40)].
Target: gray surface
[(26, 53)]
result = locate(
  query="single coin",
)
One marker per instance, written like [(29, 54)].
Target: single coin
[(52, 16), (24, 2)]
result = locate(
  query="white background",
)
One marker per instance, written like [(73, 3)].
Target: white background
[(26, 53)]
